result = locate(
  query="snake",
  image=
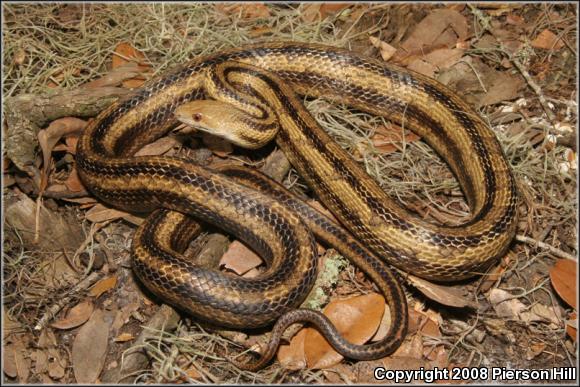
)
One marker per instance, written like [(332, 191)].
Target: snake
[(265, 80)]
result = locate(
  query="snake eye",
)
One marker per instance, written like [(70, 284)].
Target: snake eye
[(197, 117)]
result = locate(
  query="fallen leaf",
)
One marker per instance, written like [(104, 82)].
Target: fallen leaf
[(534, 350), (541, 312), (73, 183), (411, 348), (572, 326), (384, 325), (386, 138), (547, 40), (102, 286), (125, 54), (504, 87), (57, 364), (291, 356), (123, 337), (191, 373), (217, 145), (422, 67), (445, 295), (434, 30), (490, 278), (563, 277), (76, 316), (101, 213), (89, 349), (514, 20), (386, 50), (71, 142), (505, 304), (10, 324), (239, 259), (47, 138), (444, 58), (158, 147), (22, 362), (47, 339), (253, 10), (40, 359), (357, 319), (312, 12), (9, 361), (332, 8), (341, 373)]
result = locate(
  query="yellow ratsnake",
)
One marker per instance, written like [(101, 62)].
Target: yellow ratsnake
[(258, 84)]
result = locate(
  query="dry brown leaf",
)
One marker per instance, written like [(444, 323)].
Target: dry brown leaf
[(433, 30), (505, 304), (73, 183), (563, 277), (444, 58), (123, 337), (572, 326), (239, 259), (85, 202), (89, 348), (192, 373), (534, 350), (504, 87), (357, 319), (291, 356), (217, 145), (76, 316), (253, 10), (21, 362), (57, 364), (102, 286), (311, 12), (9, 361), (490, 278), (126, 54), (412, 348), (387, 138), (445, 295), (547, 40), (332, 8), (48, 137), (158, 147), (40, 359), (47, 339), (101, 213), (514, 20), (71, 142), (386, 50), (422, 67), (341, 373), (384, 325)]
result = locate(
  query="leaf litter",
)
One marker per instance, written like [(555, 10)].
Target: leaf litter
[(450, 43)]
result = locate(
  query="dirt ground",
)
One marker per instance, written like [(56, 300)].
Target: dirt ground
[(73, 310)]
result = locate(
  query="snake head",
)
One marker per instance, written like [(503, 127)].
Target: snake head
[(217, 118)]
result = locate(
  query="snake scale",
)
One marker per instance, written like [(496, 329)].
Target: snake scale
[(270, 74)]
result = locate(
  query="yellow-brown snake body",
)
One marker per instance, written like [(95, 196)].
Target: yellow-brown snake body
[(450, 126)]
